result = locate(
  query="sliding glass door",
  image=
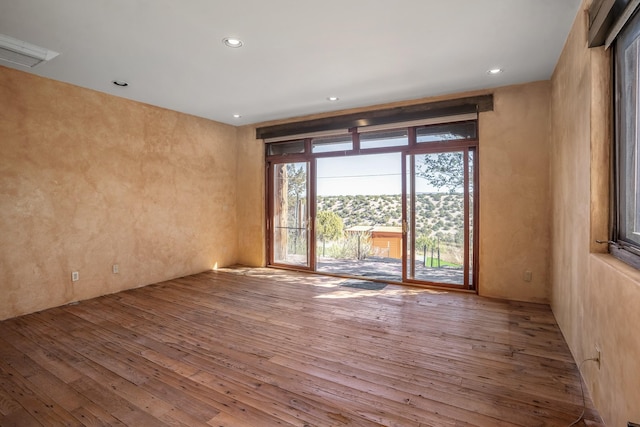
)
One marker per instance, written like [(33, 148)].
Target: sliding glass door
[(440, 217), (392, 205)]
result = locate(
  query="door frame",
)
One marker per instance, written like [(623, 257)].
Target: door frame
[(413, 148), (310, 229), (408, 215)]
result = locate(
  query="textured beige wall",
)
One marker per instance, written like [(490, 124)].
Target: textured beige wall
[(88, 180), (251, 198), (514, 194), (595, 297)]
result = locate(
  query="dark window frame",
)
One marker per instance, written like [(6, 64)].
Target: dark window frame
[(625, 168)]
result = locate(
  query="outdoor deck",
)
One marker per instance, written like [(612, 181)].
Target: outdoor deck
[(388, 269)]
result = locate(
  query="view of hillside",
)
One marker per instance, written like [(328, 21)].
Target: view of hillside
[(437, 214)]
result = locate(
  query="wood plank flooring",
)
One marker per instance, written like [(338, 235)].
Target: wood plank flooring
[(262, 347)]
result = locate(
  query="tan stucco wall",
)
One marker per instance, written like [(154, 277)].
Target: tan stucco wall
[(251, 198), (514, 194), (88, 180), (595, 297)]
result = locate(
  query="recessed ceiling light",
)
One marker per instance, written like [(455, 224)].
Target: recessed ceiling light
[(120, 83), (495, 71), (332, 98), (232, 42), (236, 116)]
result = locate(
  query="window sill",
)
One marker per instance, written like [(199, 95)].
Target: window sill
[(621, 267)]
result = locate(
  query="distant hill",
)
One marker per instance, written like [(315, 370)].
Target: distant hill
[(436, 214)]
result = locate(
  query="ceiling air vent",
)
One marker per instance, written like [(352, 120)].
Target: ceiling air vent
[(23, 53)]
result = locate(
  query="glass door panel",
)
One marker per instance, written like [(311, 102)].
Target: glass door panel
[(359, 216), (290, 214), (439, 227)]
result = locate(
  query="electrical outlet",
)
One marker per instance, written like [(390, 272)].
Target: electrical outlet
[(75, 276), (527, 276), (599, 356), (115, 269)]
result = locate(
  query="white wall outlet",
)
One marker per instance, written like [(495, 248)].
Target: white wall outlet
[(527, 276), (75, 276), (115, 269)]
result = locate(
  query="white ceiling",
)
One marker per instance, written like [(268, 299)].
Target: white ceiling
[(296, 53)]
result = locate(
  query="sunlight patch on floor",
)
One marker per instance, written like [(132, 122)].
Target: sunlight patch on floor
[(344, 294)]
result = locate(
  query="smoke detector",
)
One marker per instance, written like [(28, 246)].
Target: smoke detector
[(22, 53)]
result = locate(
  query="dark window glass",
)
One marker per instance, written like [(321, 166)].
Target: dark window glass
[(291, 147), (446, 132)]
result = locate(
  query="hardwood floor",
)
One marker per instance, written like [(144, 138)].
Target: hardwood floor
[(262, 347)]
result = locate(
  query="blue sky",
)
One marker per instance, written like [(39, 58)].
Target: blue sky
[(372, 174), (366, 175)]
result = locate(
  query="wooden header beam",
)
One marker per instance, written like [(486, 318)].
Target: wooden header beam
[(381, 117)]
